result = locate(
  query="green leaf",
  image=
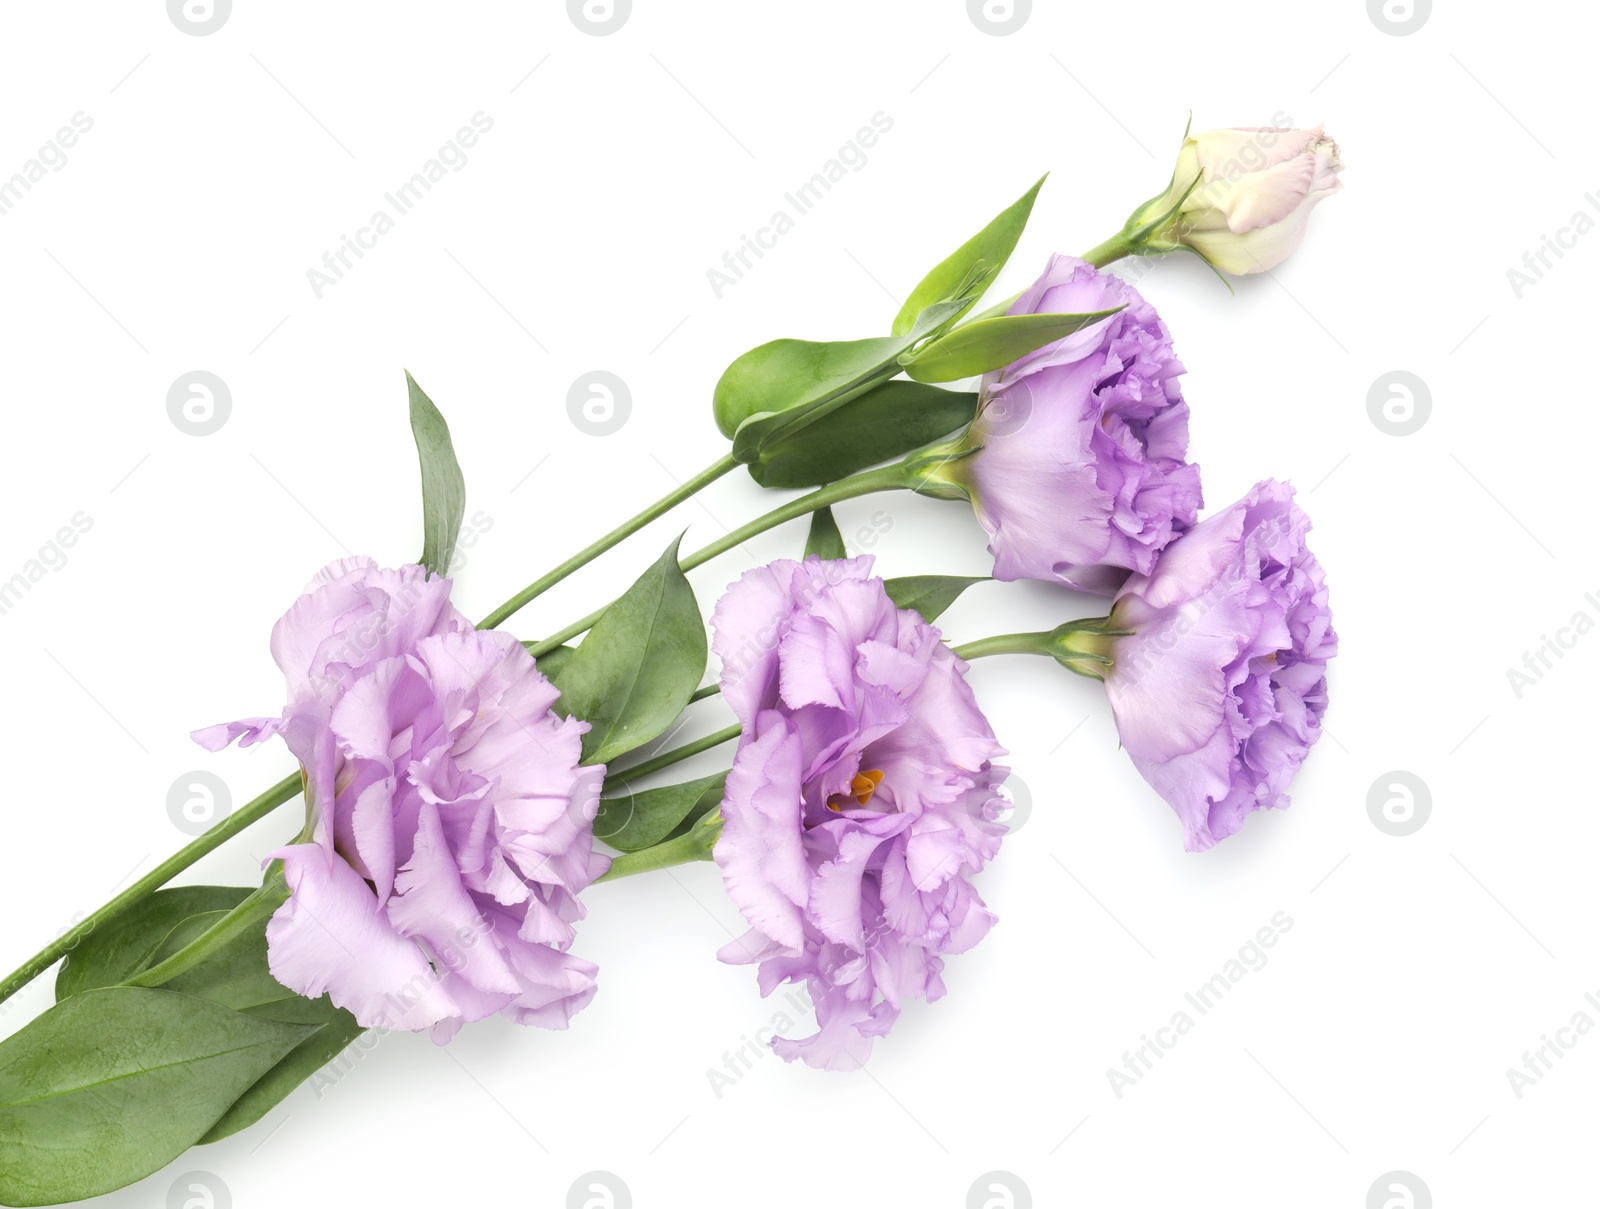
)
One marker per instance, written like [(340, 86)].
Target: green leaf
[(304, 1061), (929, 595), (551, 663), (986, 344), (887, 422), (967, 271), (130, 943), (113, 1084), (639, 665), (783, 386), (639, 820), (444, 490), (825, 540), (782, 375)]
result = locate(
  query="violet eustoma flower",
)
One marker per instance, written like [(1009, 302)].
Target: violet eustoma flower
[(1075, 463), (862, 798), (1219, 686), (452, 824)]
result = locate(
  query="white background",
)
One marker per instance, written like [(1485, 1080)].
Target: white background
[(1418, 969)]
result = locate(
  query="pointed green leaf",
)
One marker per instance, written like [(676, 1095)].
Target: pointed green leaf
[(302, 1062), (629, 822), (967, 271), (444, 490), (887, 422), (929, 595), (825, 540), (639, 665), (986, 344), (113, 1084), (129, 944)]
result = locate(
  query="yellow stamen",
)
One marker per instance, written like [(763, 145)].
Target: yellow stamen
[(862, 786)]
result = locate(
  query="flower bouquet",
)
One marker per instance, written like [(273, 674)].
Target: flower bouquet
[(463, 789)]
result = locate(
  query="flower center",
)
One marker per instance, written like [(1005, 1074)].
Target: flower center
[(862, 786)]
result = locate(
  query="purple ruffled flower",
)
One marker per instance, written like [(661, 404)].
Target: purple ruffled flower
[(1079, 474), (1220, 689), (862, 798), (453, 826)]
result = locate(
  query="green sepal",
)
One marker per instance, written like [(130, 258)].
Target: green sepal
[(824, 539)]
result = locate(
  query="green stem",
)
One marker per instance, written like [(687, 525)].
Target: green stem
[(589, 553), (668, 758), (885, 478), (1114, 248), (1006, 644), (710, 690), (684, 850), (251, 812)]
